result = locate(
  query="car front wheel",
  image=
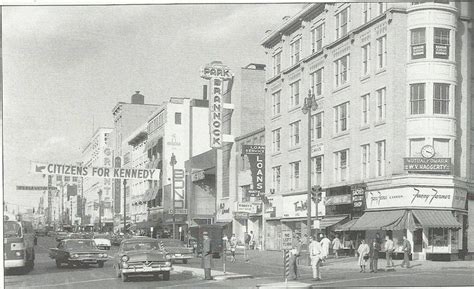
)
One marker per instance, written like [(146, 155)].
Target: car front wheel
[(100, 264), (166, 276), (58, 263)]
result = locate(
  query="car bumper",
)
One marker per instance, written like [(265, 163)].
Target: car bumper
[(87, 260), (145, 271), (181, 257), (14, 263)]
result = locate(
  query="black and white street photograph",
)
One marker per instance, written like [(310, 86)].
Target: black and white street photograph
[(237, 144)]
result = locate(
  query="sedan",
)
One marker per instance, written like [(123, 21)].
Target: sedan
[(141, 256), (102, 241), (177, 250), (77, 252)]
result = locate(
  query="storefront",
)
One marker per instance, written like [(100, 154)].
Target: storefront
[(431, 218)]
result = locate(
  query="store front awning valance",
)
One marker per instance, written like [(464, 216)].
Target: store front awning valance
[(436, 219), (385, 220), (330, 221), (346, 226)]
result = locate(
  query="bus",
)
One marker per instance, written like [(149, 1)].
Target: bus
[(18, 244)]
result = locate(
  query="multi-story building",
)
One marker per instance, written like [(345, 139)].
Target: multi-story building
[(391, 138), (127, 118), (97, 192)]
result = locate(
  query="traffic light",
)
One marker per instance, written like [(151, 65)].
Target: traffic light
[(316, 193)]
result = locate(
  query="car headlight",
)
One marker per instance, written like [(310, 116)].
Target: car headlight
[(74, 256), (125, 258), (167, 263), (104, 255), (19, 253), (168, 257), (125, 265)]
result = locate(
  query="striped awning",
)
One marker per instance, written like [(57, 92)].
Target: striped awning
[(436, 219), (385, 220), (330, 221), (346, 226)]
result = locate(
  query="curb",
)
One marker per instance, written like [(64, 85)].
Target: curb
[(196, 272)]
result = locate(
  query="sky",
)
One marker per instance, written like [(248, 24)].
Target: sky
[(65, 68)]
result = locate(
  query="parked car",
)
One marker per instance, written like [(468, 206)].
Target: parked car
[(177, 250), (78, 252), (74, 236), (116, 239), (102, 241), (61, 235), (140, 256)]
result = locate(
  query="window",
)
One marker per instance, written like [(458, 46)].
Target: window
[(295, 47), (317, 126), (341, 66), (341, 113), (415, 146), (382, 52), (317, 38), (382, 7), (418, 43), (441, 43), (366, 11), (177, 117), (295, 134), (441, 147), (317, 82), (276, 63), (295, 94), (366, 59), (438, 237), (380, 158), (317, 170), (276, 140), (441, 98), (294, 175), (341, 165), (365, 109), (276, 103), (342, 20), (365, 161), (276, 177), (417, 98), (381, 104)]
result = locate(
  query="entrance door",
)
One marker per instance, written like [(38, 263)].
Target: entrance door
[(418, 240)]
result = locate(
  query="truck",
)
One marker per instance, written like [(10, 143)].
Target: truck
[(216, 233)]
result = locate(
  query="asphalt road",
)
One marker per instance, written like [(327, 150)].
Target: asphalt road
[(46, 275)]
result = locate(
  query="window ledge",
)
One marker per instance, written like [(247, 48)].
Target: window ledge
[(276, 154), (364, 78), (273, 78), (294, 108), (337, 89), (365, 126), (379, 123), (276, 117), (295, 148), (341, 134), (381, 70)]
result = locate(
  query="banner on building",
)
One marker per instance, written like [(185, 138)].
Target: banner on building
[(256, 157), (35, 188), (93, 172)]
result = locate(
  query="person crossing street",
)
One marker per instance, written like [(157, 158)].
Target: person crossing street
[(315, 252), (206, 261)]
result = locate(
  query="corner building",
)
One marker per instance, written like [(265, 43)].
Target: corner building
[(391, 138)]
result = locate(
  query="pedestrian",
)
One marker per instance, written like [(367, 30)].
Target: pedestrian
[(336, 246), (315, 253), (389, 248), (247, 241), (304, 242), (252, 240), (325, 244), (406, 248), (352, 248), (233, 247), (294, 254), (374, 255), (363, 252), (206, 259)]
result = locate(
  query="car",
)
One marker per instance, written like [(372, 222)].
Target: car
[(75, 236), (142, 256), (61, 235), (77, 252), (102, 241), (177, 250), (41, 232)]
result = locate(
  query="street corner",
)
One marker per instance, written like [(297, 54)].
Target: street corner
[(231, 276)]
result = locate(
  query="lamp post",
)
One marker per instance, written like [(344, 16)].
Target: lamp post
[(309, 105), (173, 163)]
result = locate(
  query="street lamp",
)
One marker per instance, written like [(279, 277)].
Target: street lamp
[(309, 105)]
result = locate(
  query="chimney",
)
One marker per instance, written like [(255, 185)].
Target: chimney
[(138, 98), (204, 92)]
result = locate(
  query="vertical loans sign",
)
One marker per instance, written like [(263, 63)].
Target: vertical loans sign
[(256, 155)]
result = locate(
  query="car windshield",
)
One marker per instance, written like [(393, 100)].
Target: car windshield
[(172, 243), (80, 245), (11, 229), (145, 245)]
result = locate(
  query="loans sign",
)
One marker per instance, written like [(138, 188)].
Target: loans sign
[(256, 155), (93, 172)]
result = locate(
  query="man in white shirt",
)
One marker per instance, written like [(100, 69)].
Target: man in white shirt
[(325, 243), (389, 248), (315, 253)]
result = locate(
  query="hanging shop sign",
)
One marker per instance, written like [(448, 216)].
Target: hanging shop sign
[(246, 207), (256, 156), (338, 200), (93, 172), (417, 197), (358, 196), (198, 175), (179, 187), (216, 69), (241, 215)]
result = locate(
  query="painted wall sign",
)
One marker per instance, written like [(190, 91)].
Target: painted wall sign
[(35, 188), (428, 164), (246, 208), (417, 197), (93, 172), (317, 149), (296, 206), (256, 156)]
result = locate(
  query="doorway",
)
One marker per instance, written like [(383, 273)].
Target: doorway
[(418, 240)]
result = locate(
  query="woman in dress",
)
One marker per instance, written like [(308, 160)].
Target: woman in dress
[(363, 252)]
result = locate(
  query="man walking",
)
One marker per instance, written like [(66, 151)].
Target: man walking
[(206, 261), (336, 246), (374, 255), (315, 253), (294, 254), (406, 252), (325, 243), (389, 248), (233, 247), (252, 240)]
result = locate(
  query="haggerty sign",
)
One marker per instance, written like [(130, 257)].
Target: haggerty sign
[(93, 172)]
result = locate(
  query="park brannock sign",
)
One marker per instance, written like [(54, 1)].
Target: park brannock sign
[(93, 172)]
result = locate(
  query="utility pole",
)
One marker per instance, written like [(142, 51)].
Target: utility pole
[(309, 105), (173, 163)]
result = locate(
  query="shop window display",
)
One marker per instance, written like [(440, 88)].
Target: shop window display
[(438, 237)]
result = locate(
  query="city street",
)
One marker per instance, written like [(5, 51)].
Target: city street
[(263, 267)]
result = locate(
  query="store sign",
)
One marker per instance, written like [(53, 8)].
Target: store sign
[(436, 165), (35, 188), (338, 200), (241, 215), (297, 206), (441, 51), (416, 197), (247, 208), (216, 70), (418, 51), (93, 172), (358, 196), (198, 175), (256, 156), (317, 149), (178, 187)]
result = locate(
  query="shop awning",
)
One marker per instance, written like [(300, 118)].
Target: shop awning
[(330, 221), (346, 226), (436, 219), (150, 194), (385, 220)]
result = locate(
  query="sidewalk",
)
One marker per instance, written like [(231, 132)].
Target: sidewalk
[(217, 275)]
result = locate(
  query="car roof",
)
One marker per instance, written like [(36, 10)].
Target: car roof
[(141, 239)]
